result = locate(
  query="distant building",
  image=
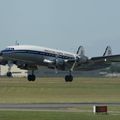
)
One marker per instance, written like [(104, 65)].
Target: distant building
[(16, 72), (45, 72)]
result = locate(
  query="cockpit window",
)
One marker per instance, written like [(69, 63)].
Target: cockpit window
[(9, 48)]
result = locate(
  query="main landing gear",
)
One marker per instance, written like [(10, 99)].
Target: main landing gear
[(69, 78), (31, 77)]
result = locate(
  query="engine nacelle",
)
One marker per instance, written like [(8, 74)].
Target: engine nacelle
[(82, 59), (60, 64)]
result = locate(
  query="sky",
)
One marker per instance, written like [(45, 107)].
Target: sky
[(61, 24)]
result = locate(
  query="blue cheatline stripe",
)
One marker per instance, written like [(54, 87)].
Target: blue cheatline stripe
[(39, 53)]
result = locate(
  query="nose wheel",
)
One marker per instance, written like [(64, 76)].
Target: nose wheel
[(9, 74), (31, 77)]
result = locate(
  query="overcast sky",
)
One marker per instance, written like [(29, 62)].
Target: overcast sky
[(61, 24)]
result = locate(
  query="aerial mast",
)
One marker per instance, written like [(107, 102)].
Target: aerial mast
[(17, 43)]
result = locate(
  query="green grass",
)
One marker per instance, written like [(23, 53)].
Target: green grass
[(38, 115), (44, 90)]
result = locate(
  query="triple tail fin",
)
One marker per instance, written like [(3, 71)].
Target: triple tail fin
[(108, 51), (81, 51)]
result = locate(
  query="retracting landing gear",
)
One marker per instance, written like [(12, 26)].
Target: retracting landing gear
[(69, 78), (31, 77)]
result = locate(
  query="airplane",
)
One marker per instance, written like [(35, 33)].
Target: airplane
[(31, 57)]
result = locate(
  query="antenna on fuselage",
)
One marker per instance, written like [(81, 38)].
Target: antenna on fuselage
[(17, 43)]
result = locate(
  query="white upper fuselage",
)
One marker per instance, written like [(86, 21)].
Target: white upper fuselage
[(35, 53), (38, 48)]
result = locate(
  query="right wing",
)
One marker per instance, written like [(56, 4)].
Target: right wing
[(111, 58), (99, 62)]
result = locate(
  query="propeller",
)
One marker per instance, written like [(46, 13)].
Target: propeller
[(10, 64), (80, 52), (80, 56), (56, 58), (0, 53)]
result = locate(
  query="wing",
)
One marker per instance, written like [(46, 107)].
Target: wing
[(98, 62), (111, 58)]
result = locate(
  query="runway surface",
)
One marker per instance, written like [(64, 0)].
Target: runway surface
[(50, 106)]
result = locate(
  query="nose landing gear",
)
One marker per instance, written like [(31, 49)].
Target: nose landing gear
[(9, 74), (31, 77)]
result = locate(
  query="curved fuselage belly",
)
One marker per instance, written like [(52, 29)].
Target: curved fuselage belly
[(38, 56), (32, 57), (29, 57), (26, 57)]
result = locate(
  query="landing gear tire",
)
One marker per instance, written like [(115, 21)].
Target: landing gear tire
[(68, 78), (31, 77), (9, 74)]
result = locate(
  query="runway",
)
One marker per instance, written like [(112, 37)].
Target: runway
[(50, 106)]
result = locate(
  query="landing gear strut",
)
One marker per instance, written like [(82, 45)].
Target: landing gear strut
[(31, 77), (9, 73), (69, 78)]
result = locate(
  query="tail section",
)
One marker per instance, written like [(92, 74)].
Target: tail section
[(81, 51), (108, 51)]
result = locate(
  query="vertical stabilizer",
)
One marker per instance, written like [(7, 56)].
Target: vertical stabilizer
[(108, 51), (81, 51)]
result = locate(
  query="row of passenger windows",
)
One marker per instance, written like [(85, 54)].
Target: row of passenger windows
[(47, 54), (50, 54), (40, 53)]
